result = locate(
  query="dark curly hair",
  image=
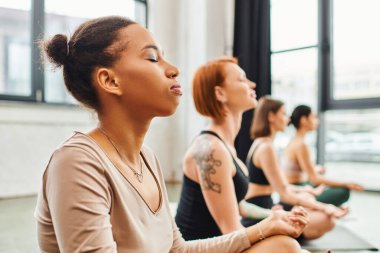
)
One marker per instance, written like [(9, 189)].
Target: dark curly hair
[(93, 44)]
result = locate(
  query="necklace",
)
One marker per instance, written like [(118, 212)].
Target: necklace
[(139, 176)]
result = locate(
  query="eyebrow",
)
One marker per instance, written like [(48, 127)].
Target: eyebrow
[(152, 47)]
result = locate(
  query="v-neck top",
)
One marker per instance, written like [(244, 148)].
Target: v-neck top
[(85, 204)]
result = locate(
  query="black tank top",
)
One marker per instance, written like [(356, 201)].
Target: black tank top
[(256, 174), (193, 218)]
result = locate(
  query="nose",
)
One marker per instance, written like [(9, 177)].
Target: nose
[(251, 84), (172, 71)]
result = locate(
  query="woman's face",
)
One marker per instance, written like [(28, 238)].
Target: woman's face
[(148, 82), (280, 120), (240, 93), (312, 121)]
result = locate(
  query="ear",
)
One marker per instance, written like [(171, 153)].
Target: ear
[(271, 117), (303, 120), (220, 94), (107, 81)]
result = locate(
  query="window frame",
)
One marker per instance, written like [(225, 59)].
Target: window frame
[(37, 80), (325, 80), (327, 101)]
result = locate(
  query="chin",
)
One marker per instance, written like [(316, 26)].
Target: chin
[(168, 111)]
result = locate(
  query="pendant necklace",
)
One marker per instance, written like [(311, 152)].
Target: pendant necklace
[(139, 176)]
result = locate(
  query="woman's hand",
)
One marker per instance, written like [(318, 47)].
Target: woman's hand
[(354, 187), (337, 212), (315, 191), (320, 169), (281, 222)]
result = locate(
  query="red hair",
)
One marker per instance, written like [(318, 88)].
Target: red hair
[(206, 78)]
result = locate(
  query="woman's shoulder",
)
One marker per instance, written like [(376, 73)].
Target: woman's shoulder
[(296, 144), (79, 145), (208, 140), (206, 145), (76, 159), (263, 145), (77, 148)]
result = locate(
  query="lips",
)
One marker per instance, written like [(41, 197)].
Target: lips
[(176, 89)]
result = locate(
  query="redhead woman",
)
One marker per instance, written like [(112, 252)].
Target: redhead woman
[(299, 167), (267, 177), (215, 180), (103, 191)]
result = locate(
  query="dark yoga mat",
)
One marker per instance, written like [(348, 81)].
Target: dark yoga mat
[(339, 239)]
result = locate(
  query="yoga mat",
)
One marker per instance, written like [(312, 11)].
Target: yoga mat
[(339, 239)]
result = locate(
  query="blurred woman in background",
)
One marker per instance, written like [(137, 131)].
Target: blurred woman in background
[(299, 166), (267, 177)]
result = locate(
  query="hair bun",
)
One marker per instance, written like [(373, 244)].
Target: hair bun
[(56, 49), (291, 120)]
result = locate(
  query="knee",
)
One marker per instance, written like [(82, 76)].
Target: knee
[(342, 195), (326, 224), (287, 244), (345, 194), (330, 223), (273, 244)]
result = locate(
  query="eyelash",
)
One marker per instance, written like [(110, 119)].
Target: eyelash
[(152, 60)]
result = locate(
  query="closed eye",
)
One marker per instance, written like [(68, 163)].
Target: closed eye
[(152, 60)]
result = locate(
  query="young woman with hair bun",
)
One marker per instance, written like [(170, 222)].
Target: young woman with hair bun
[(299, 167)]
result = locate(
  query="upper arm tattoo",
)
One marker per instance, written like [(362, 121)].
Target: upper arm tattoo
[(207, 164)]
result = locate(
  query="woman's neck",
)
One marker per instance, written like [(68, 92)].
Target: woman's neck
[(300, 133), (272, 134), (269, 138), (127, 131), (227, 128)]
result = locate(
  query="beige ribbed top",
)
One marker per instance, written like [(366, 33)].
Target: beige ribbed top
[(86, 205)]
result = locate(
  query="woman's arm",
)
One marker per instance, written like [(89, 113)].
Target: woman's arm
[(307, 189), (79, 201), (252, 211), (234, 242), (267, 159), (215, 170), (278, 223), (303, 157)]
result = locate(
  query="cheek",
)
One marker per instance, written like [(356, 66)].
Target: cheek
[(286, 120)]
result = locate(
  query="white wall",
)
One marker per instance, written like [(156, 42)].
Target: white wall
[(28, 135), (190, 32)]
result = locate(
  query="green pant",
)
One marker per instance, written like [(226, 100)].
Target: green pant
[(331, 195)]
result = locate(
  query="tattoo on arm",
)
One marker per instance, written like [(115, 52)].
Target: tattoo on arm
[(207, 164)]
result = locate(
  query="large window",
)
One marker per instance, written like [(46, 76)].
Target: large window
[(356, 49), (15, 53), (352, 137), (22, 77), (352, 145), (294, 48), (326, 54)]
